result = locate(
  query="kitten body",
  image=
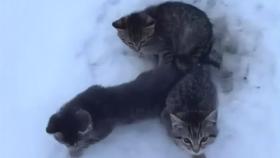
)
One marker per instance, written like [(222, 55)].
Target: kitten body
[(92, 115), (190, 114), (169, 30)]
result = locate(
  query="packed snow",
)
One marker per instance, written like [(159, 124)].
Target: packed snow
[(51, 50)]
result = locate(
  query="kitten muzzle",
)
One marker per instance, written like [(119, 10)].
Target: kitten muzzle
[(196, 149)]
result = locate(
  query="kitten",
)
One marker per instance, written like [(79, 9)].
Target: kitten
[(190, 114), (92, 115), (168, 30)]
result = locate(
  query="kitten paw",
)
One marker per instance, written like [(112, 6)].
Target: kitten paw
[(75, 153), (226, 81), (199, 156)]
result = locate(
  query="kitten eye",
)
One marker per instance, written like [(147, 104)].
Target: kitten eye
[(187, 141), (178, 127), (204, 140)]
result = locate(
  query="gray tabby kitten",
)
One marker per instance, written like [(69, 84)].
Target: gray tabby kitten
[(168, 30), (190, 114)]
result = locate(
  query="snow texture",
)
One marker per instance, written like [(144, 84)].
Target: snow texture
[(51, 50)]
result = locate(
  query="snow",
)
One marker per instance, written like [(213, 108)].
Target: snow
[(51, 50)]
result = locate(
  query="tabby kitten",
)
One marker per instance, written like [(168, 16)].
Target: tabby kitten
[(92, 115), (168, 30), (190, 114)]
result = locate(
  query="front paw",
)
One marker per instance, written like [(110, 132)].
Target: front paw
[(199, 156), (75, 153)]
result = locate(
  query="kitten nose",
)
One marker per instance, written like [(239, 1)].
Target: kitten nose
[(196, 149)]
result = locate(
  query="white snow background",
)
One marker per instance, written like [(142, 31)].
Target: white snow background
[(51, 50)]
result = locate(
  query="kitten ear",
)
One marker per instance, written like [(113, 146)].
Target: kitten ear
[(120, 24), (85, 120), (53, 124), (150, 23), (149, 20), (212, 117), (149, 29), (175, 120)]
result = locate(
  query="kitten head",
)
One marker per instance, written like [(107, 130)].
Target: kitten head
[(194, 137), (135, 30), (72, 127)]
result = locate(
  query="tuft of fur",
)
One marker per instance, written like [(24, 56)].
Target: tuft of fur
[(190, 114), (93, 114)]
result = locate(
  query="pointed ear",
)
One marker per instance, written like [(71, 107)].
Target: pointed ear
[(175, 121), (120, 24), (53, 124), (212, 117), (150, 22), (149, 29), (85, 120)]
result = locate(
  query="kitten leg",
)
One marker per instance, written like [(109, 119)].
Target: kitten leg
[(103, 132), (226, 81), (199, 156), (75, 153), (214, 59)]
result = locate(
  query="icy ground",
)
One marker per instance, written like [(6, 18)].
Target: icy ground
[(50, 50)]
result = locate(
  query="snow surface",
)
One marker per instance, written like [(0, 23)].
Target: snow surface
[(50, 50)]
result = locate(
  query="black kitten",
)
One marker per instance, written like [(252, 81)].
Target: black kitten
[(92, 114), (168, 30)]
